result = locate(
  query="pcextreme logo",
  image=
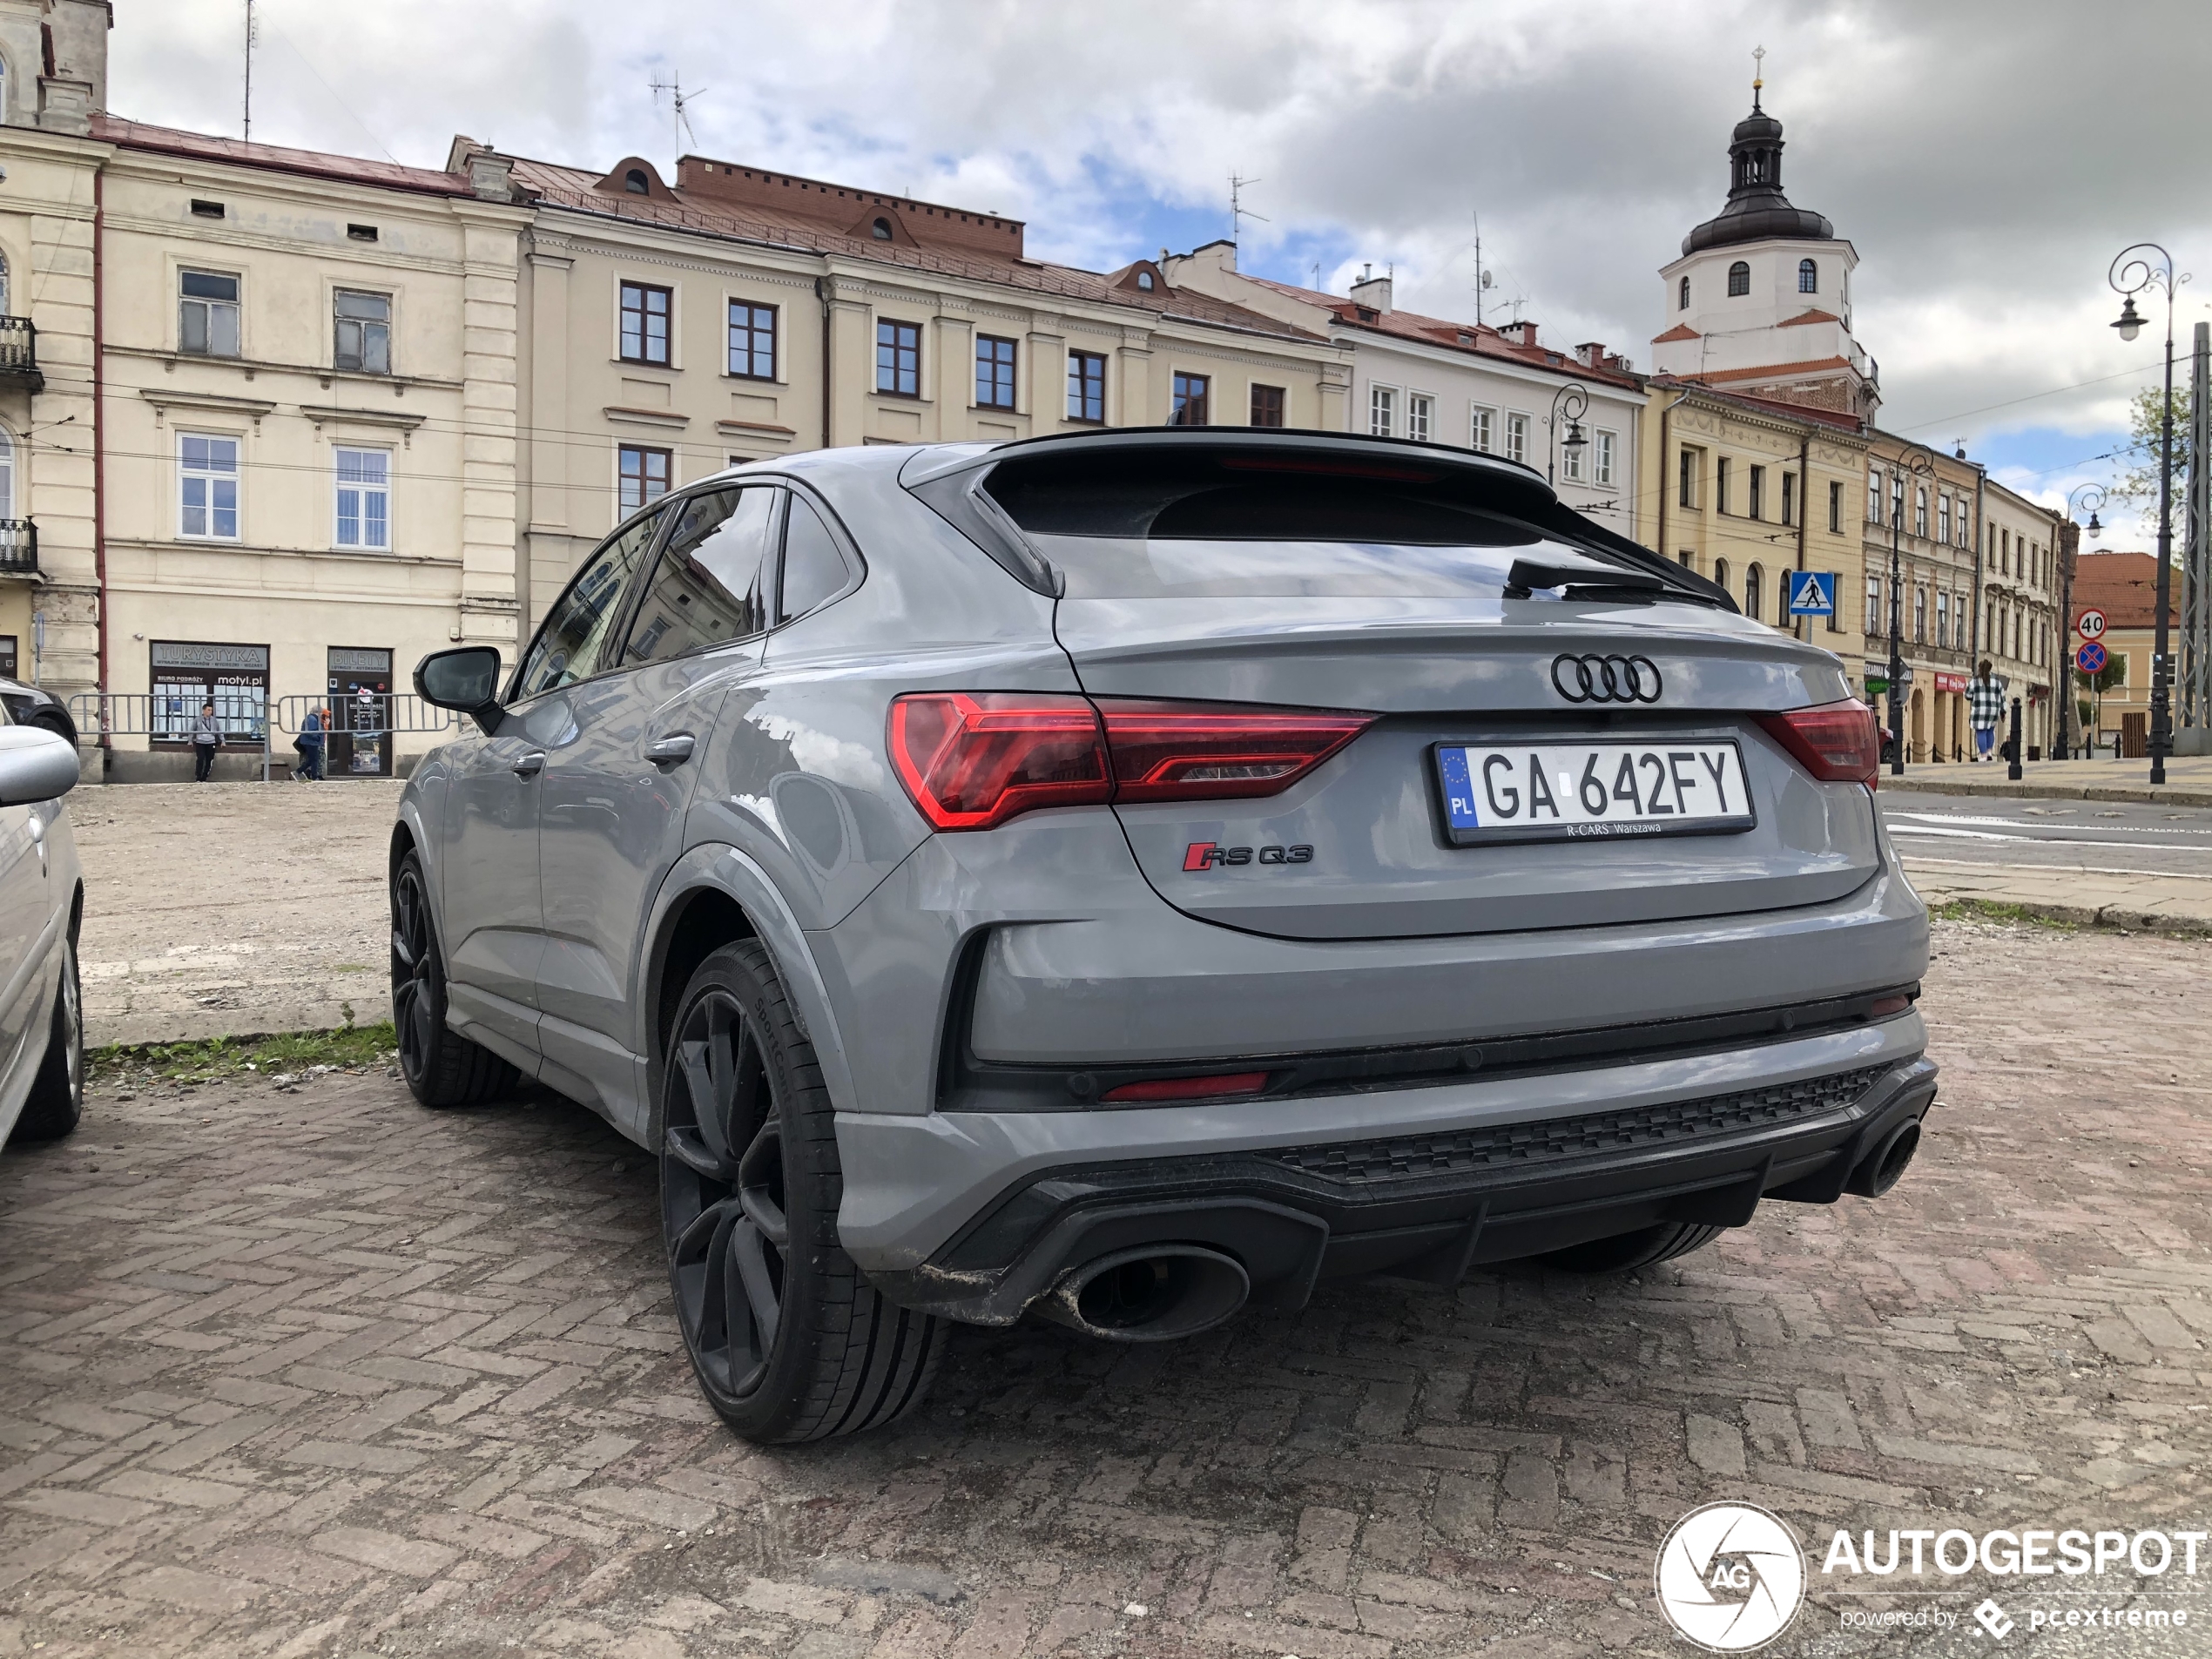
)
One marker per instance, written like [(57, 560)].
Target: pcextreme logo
[(1731, 1577)]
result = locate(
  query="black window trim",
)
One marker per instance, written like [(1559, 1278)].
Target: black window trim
[(669, 318), (1013, 398), (775, 340), (634, 601), (1076, 353), (876, 364), (659, 504)]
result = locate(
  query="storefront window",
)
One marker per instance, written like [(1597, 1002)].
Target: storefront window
[(187, 673)]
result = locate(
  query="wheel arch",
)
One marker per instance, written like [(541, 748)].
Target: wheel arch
[(713, 895)]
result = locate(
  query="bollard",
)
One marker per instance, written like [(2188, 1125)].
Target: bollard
[(2013, 766)]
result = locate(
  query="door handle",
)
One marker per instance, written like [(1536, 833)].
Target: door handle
[(531, 765), (670, 751)]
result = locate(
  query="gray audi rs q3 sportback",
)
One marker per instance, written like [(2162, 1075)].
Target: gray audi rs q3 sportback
[(1128, 876)]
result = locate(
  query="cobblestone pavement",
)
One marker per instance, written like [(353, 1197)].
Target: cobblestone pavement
[(316, 1372), (221, 909)]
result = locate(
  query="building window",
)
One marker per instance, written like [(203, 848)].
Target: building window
[(1920, 512), (1681, 295), (207, 314), (187, 673), (2004, 552), (1482, 429), (1382, 411), (1608, 442), (1754, 581), (898, 358), (1919, 615), (644, 323), (1962, 528), (994, 373), (1087, 385), (365, 498), (1689, 478), (1421, 417), (1267, 405), (1789, 498), (207, 477), (643, 473), (1896, 500), (1720, 575), (1721, 469), (1517, 438), (1573, 466), (1874, 495), (1835, 508), (1942, 620), (364, 322), (1873, 605), (1188, 403), (1755, 504), (880, 230), (1739, 279), (1808, 277), (753, 341), (1943, 518), (634, 182)]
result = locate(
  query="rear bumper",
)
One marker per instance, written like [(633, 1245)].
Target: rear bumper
[(973, 1215)]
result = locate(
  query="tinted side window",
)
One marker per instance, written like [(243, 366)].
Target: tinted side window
[(708, 587), (813, 569), (574, 635)]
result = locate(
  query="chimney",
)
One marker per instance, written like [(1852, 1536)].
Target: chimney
[(1371, 290), (491, 176), (1520, 334), (1591, 354)]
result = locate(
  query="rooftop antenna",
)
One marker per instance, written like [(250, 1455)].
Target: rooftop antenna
[(251, 33), (1758, 78), (1237, 211), (679, 100)]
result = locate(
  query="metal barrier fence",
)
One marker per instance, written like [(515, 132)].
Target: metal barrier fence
[(363, 727)]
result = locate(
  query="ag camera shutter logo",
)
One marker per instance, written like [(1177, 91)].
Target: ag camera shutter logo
[(1731, 1577)]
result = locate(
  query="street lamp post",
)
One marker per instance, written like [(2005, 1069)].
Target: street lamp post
[(1572, 400), (2092, 496), (1913, 463), (2132, 272)]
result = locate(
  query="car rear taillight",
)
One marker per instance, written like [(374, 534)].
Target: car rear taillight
[(971, 760), (1218, 750), (1837, 743), (1167, 1089)]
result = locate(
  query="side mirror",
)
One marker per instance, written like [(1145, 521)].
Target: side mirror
[(34, 764), (466, 679)]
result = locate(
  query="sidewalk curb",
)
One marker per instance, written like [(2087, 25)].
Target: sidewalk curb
[(2103, 918), (1920, 784)]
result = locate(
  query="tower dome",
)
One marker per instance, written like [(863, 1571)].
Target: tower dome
[(1757, 208)]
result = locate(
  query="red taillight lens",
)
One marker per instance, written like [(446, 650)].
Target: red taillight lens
[(971, 760), (1233, 1083), (1837, 743), (1218, 750)]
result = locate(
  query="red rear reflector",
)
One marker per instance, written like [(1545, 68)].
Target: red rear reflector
[(1218, 750), (1233, 1083), (1837, 743), (971, 760)]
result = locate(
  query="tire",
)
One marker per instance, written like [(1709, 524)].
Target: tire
[(442, 1067), (54, 721), (788, 1340), (56, 1104), (1624, 1252)]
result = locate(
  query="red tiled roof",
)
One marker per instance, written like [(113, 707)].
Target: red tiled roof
[(2125, 587), (1807, 316), (1478, 338), (313, 164), (1841, 421), (576, 190), (1680, 331)]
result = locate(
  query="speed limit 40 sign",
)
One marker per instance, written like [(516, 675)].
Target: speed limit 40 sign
[(2090, 624)]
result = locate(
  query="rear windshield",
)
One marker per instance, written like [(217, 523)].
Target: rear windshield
[(1216, 530)]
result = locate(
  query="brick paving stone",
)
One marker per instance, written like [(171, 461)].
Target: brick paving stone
[(328, 1375)]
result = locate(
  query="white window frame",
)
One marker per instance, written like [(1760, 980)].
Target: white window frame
[(1382, 410), (1482, 428), (367, 490), (1517, 424), (1421, 417), (1607, 445), (210, 477)]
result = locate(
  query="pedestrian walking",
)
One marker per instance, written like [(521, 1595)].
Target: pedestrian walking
[(310, 745), (206, 738), (1985, 708)]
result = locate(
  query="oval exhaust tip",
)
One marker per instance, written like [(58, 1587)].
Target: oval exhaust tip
[(1880, 1169), (1152, 1293)]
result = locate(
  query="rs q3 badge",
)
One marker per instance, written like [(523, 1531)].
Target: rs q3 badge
[(1206, 855)]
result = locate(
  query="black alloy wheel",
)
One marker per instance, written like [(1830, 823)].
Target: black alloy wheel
[(788, 1340), (442, 1067), (56, 1104)]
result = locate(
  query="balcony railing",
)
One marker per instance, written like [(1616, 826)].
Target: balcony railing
[(19, 352), (18, 547)]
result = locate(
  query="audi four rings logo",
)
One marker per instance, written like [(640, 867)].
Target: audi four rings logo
[(1606, 679)]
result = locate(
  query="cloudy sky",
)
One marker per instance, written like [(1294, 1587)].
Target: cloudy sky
[(1986, 157)]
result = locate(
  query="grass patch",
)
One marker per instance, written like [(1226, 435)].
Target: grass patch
[(1993, 910), (348, 1048)]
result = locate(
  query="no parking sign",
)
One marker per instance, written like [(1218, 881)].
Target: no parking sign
[(2090, 659)]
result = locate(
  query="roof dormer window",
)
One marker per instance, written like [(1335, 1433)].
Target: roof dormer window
[(1144, 281), (880, 230), (634, 182)]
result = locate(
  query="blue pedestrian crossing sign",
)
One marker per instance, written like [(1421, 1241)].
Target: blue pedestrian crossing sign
[(1812, 593)]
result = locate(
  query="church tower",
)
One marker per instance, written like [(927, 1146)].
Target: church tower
[(1760, 301)]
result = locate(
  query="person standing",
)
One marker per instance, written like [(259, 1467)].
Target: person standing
[(206, 738), (1985, 708), (310, 733)]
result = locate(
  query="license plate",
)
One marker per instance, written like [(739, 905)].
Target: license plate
[(1564, 791)]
